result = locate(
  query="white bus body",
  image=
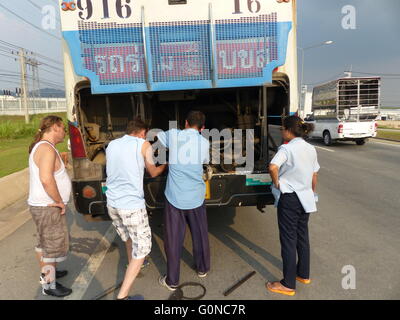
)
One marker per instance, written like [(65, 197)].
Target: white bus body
[(235, 60)]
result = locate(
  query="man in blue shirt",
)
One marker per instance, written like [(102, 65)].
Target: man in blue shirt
[(184, 193)]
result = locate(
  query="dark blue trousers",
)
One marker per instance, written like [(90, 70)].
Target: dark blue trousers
[(293, 234), (175, 221)]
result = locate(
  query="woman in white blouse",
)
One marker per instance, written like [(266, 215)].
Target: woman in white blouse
[(294, 175)]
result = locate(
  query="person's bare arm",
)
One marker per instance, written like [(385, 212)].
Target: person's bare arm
[(274, 173), (314, 181), (147, 152), (46, 164)]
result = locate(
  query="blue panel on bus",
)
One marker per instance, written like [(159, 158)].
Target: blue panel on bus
[(178, 55)]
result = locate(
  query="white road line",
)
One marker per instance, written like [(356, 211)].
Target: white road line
[(387, 143), (88, 272), (325, 149)]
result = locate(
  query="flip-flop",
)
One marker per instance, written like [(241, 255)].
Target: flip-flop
[(287, 293), (305, 281)]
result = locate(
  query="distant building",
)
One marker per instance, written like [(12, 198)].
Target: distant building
[(390, 114)]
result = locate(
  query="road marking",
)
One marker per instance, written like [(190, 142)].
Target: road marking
[(325, 149), (88, 272), (387, 143)]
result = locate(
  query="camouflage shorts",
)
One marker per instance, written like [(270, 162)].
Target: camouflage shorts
[(52, 233), (133, 224)]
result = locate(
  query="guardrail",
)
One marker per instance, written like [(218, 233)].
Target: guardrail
[(13, 106)]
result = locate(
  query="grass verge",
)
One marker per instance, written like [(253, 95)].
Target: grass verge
[(392, 135), (15, 138)]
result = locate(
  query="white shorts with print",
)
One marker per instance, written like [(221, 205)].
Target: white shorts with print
[(133, 224)]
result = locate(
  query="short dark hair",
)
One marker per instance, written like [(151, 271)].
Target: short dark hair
[(136, 125), (297, 126), (196, 119)]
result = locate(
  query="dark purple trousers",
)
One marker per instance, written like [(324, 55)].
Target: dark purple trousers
[(175, 221)]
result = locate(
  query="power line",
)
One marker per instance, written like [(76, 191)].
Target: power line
[(10, 44), (10, 81), (55, 61), (4, 70), (321, 82), (46, 82), (45, 70), (6, 48), (7, 56), (30, 77), (19, 83), (386, 76), (6, 51), (43, 63), (13, 46), (26, 21), (382, 74)]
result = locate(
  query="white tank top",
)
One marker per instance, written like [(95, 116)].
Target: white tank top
[(38, 197)]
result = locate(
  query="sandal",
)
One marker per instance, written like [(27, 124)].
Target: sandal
[(269, 287), (302, 280)]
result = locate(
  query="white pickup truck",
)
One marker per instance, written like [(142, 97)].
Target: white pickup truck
[(345, 110), (336, 130)]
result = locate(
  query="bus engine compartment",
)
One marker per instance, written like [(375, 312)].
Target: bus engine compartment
[(102, 118)]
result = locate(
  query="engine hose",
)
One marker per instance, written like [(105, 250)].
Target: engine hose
[(96, 152)]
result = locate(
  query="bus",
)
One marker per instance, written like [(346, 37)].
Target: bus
[(235, 60)]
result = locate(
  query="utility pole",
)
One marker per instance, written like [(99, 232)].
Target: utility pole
[(24, 85), (35, 82)]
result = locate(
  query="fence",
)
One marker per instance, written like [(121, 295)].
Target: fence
[(14, 106)]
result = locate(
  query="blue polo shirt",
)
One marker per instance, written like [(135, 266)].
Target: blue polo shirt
[(188, 151), (297, 162)]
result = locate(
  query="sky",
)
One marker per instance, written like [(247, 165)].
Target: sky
[(372, 47)]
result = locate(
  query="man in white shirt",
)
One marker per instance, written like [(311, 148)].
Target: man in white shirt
[(49, 192)]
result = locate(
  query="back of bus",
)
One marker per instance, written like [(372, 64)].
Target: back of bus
[(234, 60)]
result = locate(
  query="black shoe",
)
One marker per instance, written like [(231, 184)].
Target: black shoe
[(59, 292), (61, 273)]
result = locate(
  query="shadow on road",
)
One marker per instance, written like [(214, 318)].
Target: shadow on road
[(336, 144), (81, 248), (220, 222)]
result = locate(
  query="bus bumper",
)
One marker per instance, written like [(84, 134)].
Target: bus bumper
[(225, 191)]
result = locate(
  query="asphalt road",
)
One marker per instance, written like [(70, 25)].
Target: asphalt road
[(357, 224)]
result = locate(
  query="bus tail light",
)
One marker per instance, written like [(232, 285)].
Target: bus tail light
[(340, 128), (376, 126), (77, 145), (88, 192)]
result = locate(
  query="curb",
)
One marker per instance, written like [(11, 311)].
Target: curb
[(13, 187), (384, 139)]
